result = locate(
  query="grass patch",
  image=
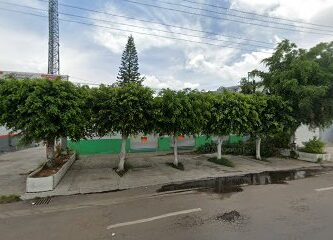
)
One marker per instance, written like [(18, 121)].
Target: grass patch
[(179, 167), (222, 161), (9, 199)]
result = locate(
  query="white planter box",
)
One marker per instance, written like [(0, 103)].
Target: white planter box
[(43, 184), (285, 152), (313, 157)]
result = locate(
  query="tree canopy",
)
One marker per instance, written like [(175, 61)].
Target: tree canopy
[(304, 79), (43, 110), (182, 112), (128, 109)]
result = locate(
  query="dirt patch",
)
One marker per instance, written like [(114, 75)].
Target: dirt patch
[(181, 153), (180, 166), (231, 216), (49, 171), (127, 167)]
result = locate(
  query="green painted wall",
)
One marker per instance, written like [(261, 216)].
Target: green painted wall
[(98, 146), (235, 139), (164, 144), (112, 146), (201, 140)]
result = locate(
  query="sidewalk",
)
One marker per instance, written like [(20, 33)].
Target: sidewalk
[(15, 166), (92, 174)]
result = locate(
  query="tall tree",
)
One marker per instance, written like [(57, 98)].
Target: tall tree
[(304, 79), (231, 113), (127, 110), (274, 116), (180, 113), (129, 69), (43, 110)]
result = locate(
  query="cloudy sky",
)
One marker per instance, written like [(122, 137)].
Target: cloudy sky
[(181, 43)]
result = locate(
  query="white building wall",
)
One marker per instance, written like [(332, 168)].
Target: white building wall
[(304, 134), (326, 135), (3, 131)]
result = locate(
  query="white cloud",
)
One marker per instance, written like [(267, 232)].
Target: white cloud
[(291, 9), (22, 51), (168, 82)]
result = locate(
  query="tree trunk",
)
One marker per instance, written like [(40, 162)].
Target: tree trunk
[(258, 142), (122, 155), (293, 146), (50, 155), (219, 147), (175, 150), (63, 142)]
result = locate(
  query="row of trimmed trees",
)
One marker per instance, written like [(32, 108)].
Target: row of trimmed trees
[(43, 110)]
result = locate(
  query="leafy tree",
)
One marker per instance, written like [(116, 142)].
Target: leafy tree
[(43, 110), (274, 116), (304, 79), (128, 109), (181, 113), (129, 69), (247, 87), (231, 113)]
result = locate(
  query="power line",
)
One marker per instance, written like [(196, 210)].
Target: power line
[(164, 31), (158, 23), (145, 28), (221, 18), (259, 15), (237, 16), (131, 31)]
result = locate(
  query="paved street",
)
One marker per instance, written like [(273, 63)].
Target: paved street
[(301, 209)]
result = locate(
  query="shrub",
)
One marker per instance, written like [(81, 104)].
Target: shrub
[(207, 148), (249, 148), (314, 146)]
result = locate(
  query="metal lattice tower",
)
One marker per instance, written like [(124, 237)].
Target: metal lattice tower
[(54, 59)]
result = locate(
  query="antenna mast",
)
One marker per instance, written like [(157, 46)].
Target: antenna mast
[(54, 60)]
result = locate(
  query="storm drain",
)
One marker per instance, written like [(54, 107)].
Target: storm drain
[(42, 201)]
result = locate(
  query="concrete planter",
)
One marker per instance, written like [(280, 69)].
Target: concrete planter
[(43, 184), (285, 152), (313, 157)]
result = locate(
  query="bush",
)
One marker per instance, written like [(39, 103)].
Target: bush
[(207, 148), (314, 146), (249, 148), (240, 148), (280, 140)]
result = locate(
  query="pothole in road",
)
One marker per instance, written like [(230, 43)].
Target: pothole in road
[(231, 216)]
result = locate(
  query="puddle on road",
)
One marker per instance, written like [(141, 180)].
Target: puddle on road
[(235, 183)]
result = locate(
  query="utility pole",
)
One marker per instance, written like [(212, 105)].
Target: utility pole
[(54, 59), (54, 56)]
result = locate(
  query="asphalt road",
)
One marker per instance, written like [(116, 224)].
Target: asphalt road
[(301, 209)]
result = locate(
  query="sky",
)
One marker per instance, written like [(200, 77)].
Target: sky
[(208, 59)]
